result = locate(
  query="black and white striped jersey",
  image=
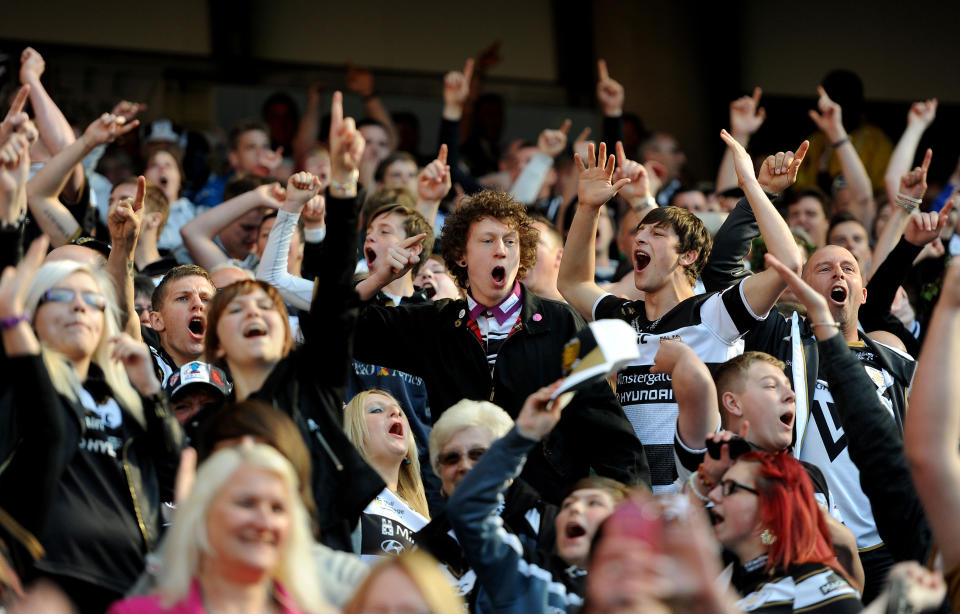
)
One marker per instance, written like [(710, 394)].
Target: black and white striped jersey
[(809, 587), (711, 324)]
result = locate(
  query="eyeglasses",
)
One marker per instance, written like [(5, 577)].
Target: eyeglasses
[(65, 295), (728, 487), (453, 458)]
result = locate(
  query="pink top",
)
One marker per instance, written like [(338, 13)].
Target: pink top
[(192, 604)]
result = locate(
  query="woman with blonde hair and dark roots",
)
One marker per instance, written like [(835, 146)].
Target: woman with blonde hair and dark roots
[(378, 427), (411, 582)]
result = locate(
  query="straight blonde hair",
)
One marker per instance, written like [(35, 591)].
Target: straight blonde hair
[(187, 540), (62, 374), (409, 482), (424, 571)]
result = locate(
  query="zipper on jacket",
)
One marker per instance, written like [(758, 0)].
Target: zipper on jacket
[(133, 497)]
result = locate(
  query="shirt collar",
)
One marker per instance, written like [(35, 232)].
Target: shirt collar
[(502, 311)]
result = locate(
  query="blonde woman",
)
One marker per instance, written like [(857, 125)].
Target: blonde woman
[(88, 440), (410, 582), (241, 542), (377, 426)]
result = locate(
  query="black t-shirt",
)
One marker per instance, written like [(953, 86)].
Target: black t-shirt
[(93, 534)]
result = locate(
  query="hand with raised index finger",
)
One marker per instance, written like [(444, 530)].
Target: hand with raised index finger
[(830, 117), (746, 116), (456, 90), (594, 187), (609, 92), (914, 183), (553, 142), (638, 190), (15, 115), (346, 144), (106, 128), (924, 227), (778, 172), (434, 181), (124, 218), (128, 109), (404, 256)]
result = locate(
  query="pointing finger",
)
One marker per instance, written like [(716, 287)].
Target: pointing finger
[(602, 70), (565, 126), (141, 191), (19, 101), (926, 161), (336, 109), (468, 70), (414, 240), (757, 92), (442, 156), (801, 152), (621, 155)]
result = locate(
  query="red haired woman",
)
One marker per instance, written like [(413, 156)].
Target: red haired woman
[(765, 514)]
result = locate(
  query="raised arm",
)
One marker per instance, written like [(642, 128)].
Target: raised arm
[(55, 130), (456, 95), (360, 81), (913, 185), (693, 389), (576, 279), (17, 134), (932, 427), (309, 128), (433, 184), (610, 96), (44, 189), (123, 221), (830, 121), (919, 118), (199, 232), (762, 290), (550, 144), (746, 117)]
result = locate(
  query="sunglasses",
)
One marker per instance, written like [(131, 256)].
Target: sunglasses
[(738, 447), (453, 458), (65, 295), (728, 487)]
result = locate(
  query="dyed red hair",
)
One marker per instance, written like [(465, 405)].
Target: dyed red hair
[(789, 511)]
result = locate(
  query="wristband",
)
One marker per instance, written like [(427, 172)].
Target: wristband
[(845, 139), (907, 203), (8, 323), (710, 484), (835, 325), (343, 189)]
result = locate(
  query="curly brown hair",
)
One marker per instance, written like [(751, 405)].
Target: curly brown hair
[(487, 204)]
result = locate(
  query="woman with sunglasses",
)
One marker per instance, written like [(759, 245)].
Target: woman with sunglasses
[(764, 514), (377, 426), (458, 439), (84, 398)]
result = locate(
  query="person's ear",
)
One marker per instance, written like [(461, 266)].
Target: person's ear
[(153, 220), (559, 258), (156, 321), (731, 404), (688, 257), (233, 158)]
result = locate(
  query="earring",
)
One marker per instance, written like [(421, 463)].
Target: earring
[(767, 537)]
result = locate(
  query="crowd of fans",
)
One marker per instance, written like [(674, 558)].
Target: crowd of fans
[(326, 379)]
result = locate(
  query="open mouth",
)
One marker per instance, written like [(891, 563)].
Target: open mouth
[(196, 326), (162, 181), (787, 418), (396, 429), (370, 255), (838, 294), (255, 330), (715, 518), (575, 530), (499, 274), (640, 260), (429, 290)]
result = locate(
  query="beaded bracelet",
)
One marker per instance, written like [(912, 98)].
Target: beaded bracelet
[(710, 484), (693, 488)]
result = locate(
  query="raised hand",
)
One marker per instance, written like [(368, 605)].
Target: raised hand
[(609, 92), (313, 212), (922, 114), (779, 171), (404, 256), (106, 128), (637, 190), (914, 183), (434, 182), (669, 355), (746, 116), (136, 360), (301, 187), (594, 187), (123, 219), (817, 309), (456, 90), (31, 65), (580, 143), (488, 57), (914, 588), (15, 282), (15, 116), (829, 119), (539, 415), (742, 161), (922, 228), (128, 109), (359, 80), (271, 195), (714, 468), (346, 144), (552, 142)]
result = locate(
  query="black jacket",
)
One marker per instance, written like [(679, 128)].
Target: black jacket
[(435, 342), (310, 383)]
